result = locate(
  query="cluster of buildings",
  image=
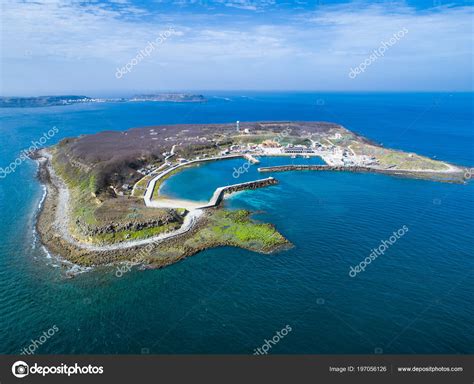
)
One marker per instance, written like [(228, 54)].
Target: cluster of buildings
[(146, 170), (332, 154), (336, 155), (298, 149), (349, 159), (240, 149)]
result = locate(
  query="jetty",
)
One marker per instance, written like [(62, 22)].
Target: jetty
[(163, 202), (219, 192), (303, 167), (171, 203), (450, 177)]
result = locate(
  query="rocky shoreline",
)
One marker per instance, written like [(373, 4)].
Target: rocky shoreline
[(50, 237), (163, 253)]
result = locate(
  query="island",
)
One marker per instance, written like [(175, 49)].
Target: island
[(50, 101), (103, 204)]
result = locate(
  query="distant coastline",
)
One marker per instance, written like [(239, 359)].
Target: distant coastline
[(50, 101)]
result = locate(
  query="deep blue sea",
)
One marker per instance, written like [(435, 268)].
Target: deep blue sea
[(415, 298)]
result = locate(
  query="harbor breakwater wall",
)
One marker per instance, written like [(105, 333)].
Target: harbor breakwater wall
[(219, 192), (302, 167), (453, 177)]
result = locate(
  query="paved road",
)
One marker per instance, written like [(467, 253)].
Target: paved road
[(176, 203), (61, 223)]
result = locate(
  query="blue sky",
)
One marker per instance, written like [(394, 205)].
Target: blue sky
[(53, 47)]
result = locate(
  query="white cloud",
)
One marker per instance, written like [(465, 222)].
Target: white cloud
[(308, 50)]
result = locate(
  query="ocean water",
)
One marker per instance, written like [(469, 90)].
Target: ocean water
[(199, 181), (415, 298)]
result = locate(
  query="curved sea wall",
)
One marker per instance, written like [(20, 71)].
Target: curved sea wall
[(157, 251)]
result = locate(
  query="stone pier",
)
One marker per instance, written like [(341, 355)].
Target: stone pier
[(448, 177), (219, 192)]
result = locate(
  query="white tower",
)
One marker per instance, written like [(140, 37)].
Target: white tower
[(237, 125)]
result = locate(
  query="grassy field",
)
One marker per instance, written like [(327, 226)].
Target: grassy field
[(115, 237), (94, 212), (281, 138), (156, 189), (238, 229), (397, 159), (140, 188), (219, 228), (222, 228), (82, 190)]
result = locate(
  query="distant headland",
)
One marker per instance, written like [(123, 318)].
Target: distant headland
[(50, 101)]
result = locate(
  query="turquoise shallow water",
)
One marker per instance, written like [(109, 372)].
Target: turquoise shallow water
[(416, 298), (199, 182)]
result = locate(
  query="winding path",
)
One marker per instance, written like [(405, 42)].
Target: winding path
[(61, 223), (176, 203)]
